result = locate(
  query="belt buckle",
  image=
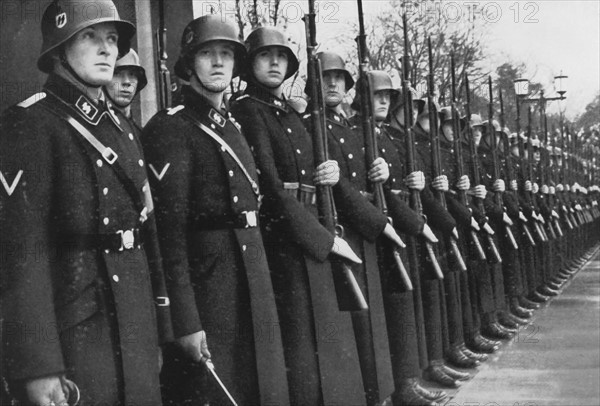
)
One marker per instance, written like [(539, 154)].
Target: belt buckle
[(127, 239), (162, 301), (109, 155), (251, 220)]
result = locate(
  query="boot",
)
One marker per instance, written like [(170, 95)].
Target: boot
[(407, 395), (518, 310), (473, 355), (453, 373), (457, 358), (481, 344), (528, 304), (538, 297), (548, 291), (495, 330), (435, 373)]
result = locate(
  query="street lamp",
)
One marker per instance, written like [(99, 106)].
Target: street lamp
[(521, 87), (560, 84)]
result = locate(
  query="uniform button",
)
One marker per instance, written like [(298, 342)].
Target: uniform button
[(235, 199), (303, 172), (277, 113), (342, 141), (106, 221), (212, 126), (105, 191), (231, 173), (394, 180), (298, 152), (350, 156), (223, 149), (144, 188), (289, 130), (329, 126), (141, 162), (106, 251), (244, 248), (116, 278), (390, 165), (99, 163), (354, 174), (383, 150), (131, 136)]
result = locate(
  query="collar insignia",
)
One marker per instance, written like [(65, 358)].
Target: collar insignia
[(217, 118), (86, 108)]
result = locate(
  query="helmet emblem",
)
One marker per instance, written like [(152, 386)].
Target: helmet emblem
[(189, 37), (61, 20)]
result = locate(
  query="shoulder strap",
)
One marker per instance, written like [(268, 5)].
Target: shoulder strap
[(212, 134), (107, 153)]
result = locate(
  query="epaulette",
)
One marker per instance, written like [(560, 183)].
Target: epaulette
[(32, 100), (174, 110)]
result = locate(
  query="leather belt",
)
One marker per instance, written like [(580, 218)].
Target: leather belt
[(245, 219), (304, 193), (121, 240)]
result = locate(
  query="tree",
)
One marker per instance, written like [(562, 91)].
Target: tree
[(591, 116)]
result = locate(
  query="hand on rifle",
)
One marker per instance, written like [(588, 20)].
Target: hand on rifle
[(479, 192), (513, 185), (528, 186), (552, 190), (499, 186), (46, 391), (441, 183), (380, 171), (327, 173), (428, 234), (194, 345), (545, 190), (416, 181), (535, 188), (342, 248), (463, 183), (559, 187), (507, 220), (391, 233), (474, 224)]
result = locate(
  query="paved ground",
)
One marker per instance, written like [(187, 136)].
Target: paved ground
[(554, 361)]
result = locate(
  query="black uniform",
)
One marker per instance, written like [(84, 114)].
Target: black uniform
[(217, 273), (77, 291)]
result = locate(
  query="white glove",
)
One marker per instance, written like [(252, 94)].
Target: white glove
[(559, 187), (464, 183), (528, 186), (479, 191), (552, 190), (514, 185), (416, 180), (441, 183), (545, 189), (499, 186), (536, 188)]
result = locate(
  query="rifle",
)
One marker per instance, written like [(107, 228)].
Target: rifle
[(370, 140), (164, 76), (458, 157), (435, 151), (543, 166), (494, 152), (553, 177), (538, 223), (508, 164), (491, 246), (327, 212), (415, 196)]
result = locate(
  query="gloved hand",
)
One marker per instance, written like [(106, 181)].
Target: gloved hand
[(380, 171), (499, 186), (528, 186), (545, 189), (535, 188), (416, 180), (441, 183), (464, 183), (479, 192), (559, 187), (327, 173), (514, 185)]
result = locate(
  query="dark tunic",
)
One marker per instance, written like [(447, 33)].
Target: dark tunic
[(319, 343), (72, 301), (214, 259)]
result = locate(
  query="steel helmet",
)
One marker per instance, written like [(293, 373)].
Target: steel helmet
[(203, 30), (263, 37), (131, 60), (331, 61), (63, 19), (445, 114), (398, 99), (378, 80)]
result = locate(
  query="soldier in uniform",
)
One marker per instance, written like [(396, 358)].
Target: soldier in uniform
[(82, 289), (319, 342), (128, 81), (207, 198), (346, 147)]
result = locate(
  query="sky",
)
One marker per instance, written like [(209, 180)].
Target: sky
[(548, 36)]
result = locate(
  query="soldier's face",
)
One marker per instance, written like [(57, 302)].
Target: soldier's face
[(92, 53), (448, 131), (213, 64), (381, 105), (270, 66), (334, 87), (123, 87), (477, 135)]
